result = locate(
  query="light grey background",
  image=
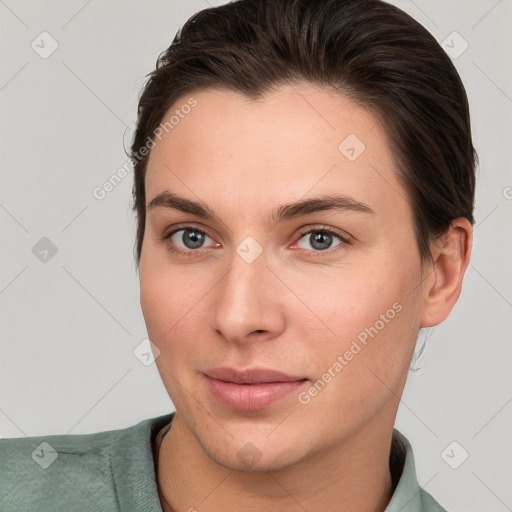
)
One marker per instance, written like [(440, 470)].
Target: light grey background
[(70, 324)]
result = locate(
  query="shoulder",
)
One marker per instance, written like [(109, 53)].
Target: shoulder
[(429, 503), (41, 472), (77, 472)]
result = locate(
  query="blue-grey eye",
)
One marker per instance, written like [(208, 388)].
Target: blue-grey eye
[(320, 240), (191, 238)]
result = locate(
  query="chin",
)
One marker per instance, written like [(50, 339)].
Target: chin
[(251, 459)]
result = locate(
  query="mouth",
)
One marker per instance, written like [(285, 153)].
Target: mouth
[(252, 389)]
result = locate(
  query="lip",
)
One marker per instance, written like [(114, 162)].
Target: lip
[(250, 376), (252, 389)]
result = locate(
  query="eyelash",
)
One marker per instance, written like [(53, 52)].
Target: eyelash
[(192, 252)]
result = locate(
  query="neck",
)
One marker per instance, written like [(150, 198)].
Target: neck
[(353, 475)]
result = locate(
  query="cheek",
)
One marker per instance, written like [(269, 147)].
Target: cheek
[(356, 298), (373, 318), (165, 297), (365, 364), (175, 309), (166, 306)]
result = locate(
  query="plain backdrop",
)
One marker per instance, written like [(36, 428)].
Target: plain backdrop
[(70, 313)]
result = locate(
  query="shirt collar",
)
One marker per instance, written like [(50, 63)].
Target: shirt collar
[(408, 493), (133, 466)]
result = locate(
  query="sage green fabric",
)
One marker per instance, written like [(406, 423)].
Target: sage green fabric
[(115, 471)]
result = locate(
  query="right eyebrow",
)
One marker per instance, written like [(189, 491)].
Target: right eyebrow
[(168, 200)]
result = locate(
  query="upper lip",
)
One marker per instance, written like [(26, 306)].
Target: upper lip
[(250, 376)]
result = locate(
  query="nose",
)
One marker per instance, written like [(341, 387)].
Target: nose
[(247, 303)]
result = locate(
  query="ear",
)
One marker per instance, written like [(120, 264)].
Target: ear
[(443, 277)]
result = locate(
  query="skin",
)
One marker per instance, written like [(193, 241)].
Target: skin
[(295, 308)]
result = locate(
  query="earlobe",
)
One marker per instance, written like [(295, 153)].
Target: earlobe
[(443, 284)]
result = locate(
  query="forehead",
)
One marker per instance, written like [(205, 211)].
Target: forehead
[(297, 140)]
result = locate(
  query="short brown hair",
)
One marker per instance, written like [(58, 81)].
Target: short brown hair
[(370, 51)]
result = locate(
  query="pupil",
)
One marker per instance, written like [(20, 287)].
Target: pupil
[(324, 239), (192, 237)]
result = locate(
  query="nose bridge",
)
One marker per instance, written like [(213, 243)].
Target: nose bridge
[(247, 265), (241, 289), (244, 301)]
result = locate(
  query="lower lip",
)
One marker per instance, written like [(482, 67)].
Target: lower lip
[(251, 397)]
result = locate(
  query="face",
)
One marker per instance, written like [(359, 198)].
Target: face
[(327, 293)]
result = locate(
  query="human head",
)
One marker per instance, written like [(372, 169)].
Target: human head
[(368, 68), (371, 51)]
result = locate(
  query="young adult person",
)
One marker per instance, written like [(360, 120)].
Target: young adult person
[(304, 188)]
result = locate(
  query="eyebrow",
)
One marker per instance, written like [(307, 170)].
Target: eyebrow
[(281, 213)]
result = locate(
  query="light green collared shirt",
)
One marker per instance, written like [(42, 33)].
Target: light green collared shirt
[(115, 471)]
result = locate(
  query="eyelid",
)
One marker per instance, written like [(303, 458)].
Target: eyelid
[(345, 237), (184, 225)]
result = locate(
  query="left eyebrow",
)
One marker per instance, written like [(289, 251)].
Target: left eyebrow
[(318, 204), (282, 213)]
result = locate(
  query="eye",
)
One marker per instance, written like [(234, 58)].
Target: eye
[(321, 239), (186, 240)]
